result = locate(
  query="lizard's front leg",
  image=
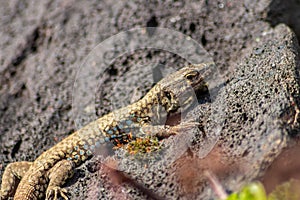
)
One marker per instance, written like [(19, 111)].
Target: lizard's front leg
[(164, 131), (11, 177), (146, 137), (58, 175)]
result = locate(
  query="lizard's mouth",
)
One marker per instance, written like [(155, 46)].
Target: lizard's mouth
[(190, 98), (173, 117), (200, 86)]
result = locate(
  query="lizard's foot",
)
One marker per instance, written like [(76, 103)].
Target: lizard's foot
[(184, 126), (181, 128), (5, 195), (2, 196), (52, 193)]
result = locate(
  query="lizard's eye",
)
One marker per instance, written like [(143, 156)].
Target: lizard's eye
[(168, 95), (191, 76)]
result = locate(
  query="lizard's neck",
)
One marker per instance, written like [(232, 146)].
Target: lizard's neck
[(150, 108)]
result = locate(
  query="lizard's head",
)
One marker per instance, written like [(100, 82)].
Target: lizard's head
[(178, 90)]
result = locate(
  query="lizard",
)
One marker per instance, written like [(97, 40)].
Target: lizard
[(45, 176)]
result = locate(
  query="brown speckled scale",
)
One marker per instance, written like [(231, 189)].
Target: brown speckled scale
[(51, 169)]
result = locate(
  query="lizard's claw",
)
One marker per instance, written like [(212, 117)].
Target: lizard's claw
[(52, 193)]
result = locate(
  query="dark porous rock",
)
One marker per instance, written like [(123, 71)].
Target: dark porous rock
[(261, 104)]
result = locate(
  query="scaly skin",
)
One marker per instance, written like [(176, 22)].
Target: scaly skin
[(46, 175)]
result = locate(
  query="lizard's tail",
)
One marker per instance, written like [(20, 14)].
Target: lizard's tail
[(28, 193)]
